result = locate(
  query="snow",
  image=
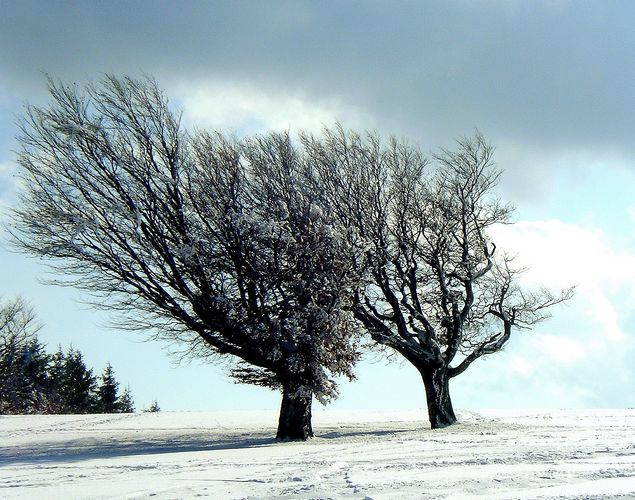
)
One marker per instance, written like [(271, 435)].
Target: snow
[(355, 454)]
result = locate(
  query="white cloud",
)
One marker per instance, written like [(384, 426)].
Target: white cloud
[(560, 255), (604, 313), (245, 108), (522, 366), (562, 349)]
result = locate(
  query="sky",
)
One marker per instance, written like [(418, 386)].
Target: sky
[(550, 83)]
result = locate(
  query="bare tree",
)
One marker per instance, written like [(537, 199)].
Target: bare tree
[(207, 242), (21, 359), (437, 291), (18, 319)]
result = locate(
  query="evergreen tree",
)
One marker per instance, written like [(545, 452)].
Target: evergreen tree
[(9, 355), (33, 377), (33, 381), (125, 403), (107, 397), (21, 357), (23, 376), (77, 388), (154, 408), (56, 382)]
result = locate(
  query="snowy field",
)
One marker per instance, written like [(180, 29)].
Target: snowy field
[(490, 454)]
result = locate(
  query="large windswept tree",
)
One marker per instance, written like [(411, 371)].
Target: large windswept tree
[(205, 241), (437, 290)]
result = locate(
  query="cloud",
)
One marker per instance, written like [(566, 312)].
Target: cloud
[(551, 77), (245, 108), (562, 349), (561, 254), (522, 366), (604, 313), (596, 324)]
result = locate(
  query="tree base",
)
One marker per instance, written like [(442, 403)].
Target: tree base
[(294, 423), (437, 386)]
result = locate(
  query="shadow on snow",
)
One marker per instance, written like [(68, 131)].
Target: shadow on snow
[(93, 448)]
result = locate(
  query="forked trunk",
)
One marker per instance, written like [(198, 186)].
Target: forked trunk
[(295, 415), (437, 385)]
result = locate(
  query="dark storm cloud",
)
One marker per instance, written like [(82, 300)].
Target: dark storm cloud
[(551, 74)]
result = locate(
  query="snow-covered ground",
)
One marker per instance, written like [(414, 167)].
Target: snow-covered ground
[(491, 454)]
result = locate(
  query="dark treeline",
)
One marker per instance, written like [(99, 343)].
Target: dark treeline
[(35, 381)]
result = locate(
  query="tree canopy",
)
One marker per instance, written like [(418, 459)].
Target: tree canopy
[(208, 242), (272, 251), (436, 288)]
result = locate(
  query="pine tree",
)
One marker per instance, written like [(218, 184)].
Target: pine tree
[(33, 377), (23, 375), (9, 355), (22, 358), (56, 382), (77, 388), (33, 381), (125, 403), (107, 397), (154, 408)]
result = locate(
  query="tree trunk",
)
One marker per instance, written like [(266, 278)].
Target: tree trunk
[(437, 385), (295, 415)]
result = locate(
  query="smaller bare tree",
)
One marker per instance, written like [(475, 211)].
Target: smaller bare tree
[(437, 290), (17, 319)]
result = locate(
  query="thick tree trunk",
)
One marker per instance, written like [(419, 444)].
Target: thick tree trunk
[(295, 415), (437, 385)]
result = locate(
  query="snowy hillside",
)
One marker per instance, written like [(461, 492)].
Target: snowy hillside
[(492, 454)]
